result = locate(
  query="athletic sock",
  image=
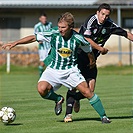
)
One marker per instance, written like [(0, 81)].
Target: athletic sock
[(78, 96), (97, 105), (41, 69), (51, 95), (69, 104)]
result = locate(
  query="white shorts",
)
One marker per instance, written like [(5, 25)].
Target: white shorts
[(69, 78), (43, 54)]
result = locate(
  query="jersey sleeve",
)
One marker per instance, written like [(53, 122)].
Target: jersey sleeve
[(36, 28), (89, 23), (46, 36), (84, 44), (118, 30), (86, 49), (40, 37)]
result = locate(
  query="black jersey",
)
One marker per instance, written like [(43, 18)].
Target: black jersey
[(100, 33)]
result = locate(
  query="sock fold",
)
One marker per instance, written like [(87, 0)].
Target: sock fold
[(51, 95)]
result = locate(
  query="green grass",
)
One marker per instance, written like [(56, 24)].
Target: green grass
[(35, 115)]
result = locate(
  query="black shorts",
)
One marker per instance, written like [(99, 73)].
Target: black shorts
[(83, 61)]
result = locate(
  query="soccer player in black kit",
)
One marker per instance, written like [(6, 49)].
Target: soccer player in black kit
[(96, 29)]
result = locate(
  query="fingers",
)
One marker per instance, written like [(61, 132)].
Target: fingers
[(7, 46), (105, 51)]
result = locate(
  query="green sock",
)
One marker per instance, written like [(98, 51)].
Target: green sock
[(41, 69), (51, 95), (97, 105)]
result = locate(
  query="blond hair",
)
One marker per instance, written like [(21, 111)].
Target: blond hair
[(67, 17)]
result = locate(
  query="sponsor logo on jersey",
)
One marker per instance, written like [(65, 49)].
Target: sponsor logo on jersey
[(64, 52), (103, 31), (94, 31), (100, 40)]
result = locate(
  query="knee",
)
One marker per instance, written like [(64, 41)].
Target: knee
[(88, 93), (91, 84), (42, 90)]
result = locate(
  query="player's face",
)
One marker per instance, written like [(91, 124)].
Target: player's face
[(64, 28), (103, 15), (43, 19)]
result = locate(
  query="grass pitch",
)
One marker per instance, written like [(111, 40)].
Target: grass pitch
[(35, 115)]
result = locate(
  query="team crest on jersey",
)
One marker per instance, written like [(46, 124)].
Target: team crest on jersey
[(64, 52), (103, 31)]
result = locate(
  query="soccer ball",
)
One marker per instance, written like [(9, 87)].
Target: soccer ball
[(7, 115)]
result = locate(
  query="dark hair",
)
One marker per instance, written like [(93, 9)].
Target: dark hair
[(104, 6), (43, 14)]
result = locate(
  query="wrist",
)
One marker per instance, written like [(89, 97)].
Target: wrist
[(101, 49)]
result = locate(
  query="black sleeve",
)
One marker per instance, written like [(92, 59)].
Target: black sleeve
[(84, 26), (82, 30), (119, 31)]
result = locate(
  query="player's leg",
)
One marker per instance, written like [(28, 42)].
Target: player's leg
[(70, 101), (41, 68), (78, 96), (41, 63), (69, 108), (90, 76), (94, 100), (72, 98), (69, 105), (42, 55), (77, 80), (46, 90)]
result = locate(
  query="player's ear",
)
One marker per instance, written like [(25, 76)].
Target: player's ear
[(97, 12)]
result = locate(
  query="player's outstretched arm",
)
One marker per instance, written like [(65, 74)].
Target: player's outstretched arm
[(97, 46), (25, 40)]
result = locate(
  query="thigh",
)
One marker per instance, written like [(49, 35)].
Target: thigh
[(83, 88), (75, 77), (50, 76)]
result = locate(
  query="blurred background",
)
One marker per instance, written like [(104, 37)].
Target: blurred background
[(18, 17)]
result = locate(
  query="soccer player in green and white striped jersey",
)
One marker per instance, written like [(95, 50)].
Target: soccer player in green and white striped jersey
[(43, 47), (63, 68)]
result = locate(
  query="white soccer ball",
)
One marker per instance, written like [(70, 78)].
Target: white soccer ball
[(7, 115)]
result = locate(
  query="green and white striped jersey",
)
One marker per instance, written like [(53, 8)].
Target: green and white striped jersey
[(39, 27), (63, 52)]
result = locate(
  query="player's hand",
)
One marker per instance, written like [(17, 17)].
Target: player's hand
[(8, 46), (104, 51)]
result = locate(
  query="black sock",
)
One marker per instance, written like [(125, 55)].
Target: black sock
[(69, 105), (79, 96), (69, 102)]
